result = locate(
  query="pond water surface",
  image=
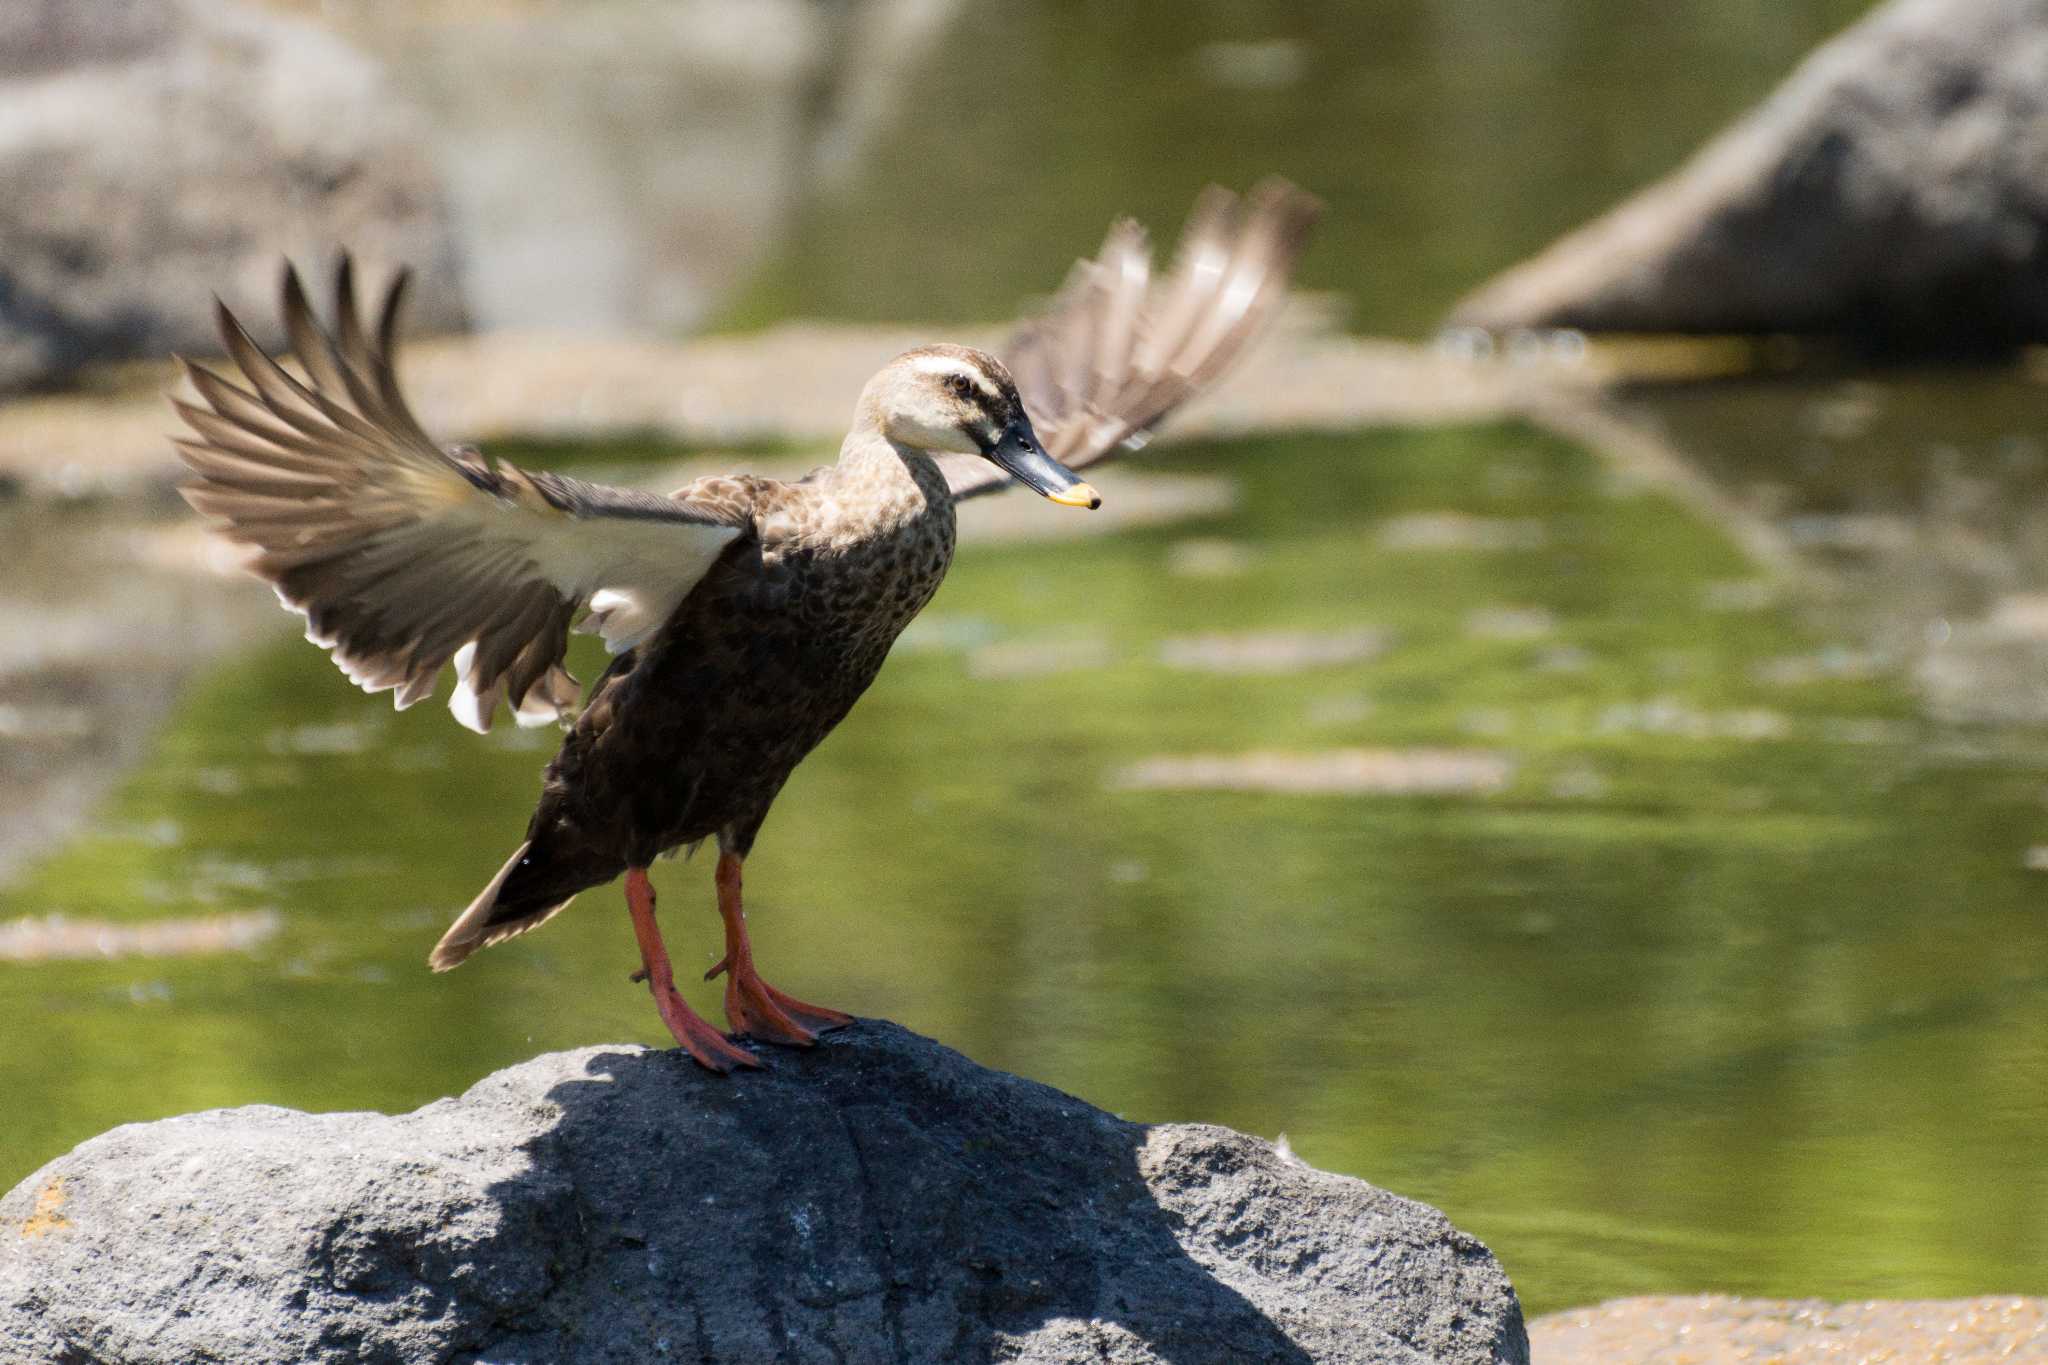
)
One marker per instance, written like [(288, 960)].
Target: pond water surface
[(1449, 139), (1659, 946), (1672, 925)]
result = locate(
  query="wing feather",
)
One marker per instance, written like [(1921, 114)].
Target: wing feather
[(1118, 350), (405, 557)]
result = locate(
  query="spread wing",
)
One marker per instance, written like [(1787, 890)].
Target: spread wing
[(1116, 350), (404, 557)]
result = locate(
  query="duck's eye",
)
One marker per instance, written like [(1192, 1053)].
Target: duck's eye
[(959, 385)]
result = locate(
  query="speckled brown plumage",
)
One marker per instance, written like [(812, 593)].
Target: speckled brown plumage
[(691, 735), (747, 615)]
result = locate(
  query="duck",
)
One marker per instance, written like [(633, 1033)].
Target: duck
[(744, 616)]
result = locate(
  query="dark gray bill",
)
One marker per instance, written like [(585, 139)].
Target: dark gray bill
[(1021, 455)]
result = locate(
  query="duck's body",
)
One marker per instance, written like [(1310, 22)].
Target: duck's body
[(747, 615), (670, 749)]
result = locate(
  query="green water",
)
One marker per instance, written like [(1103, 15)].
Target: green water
[(1737, 984), (1449, 138)]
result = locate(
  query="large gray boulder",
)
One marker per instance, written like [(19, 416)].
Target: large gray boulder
[(1894, 189), (154, 153), (878, 1198)]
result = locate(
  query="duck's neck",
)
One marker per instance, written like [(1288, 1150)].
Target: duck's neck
[(893, 483)]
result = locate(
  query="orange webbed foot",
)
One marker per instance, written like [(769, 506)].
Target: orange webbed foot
[(758, 1010), (711, 1049)]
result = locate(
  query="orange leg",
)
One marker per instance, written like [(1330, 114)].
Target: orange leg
[(697, 1037), (752, 1006)]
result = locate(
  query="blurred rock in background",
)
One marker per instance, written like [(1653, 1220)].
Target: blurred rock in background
[(617, 165), (605, 167), (157, 151), (1891, 191)]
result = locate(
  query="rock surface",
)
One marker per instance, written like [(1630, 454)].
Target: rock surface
[(155, 152), (1891, 190), (877, 1199)]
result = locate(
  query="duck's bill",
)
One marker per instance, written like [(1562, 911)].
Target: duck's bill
[(1019, 454)]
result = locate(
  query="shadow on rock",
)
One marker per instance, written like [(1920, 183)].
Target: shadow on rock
[(859, 1203)]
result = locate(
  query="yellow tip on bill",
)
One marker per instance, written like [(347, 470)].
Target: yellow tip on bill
[(1080, 495)]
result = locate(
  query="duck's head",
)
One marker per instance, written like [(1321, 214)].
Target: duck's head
[(955, 398)]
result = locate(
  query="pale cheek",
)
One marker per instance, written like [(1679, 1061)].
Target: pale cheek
[(926, 437)]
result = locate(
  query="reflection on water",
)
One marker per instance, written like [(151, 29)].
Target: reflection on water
[(1920, 502), (1729, 975), (1450, 138)]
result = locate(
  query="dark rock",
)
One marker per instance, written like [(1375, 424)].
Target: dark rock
[(879, 1198), (155, 153), (1894, 190)]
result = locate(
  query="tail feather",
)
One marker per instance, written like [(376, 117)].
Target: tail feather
[(500, 911)]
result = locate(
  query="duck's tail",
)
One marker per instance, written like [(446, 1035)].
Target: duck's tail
[(531, 888)]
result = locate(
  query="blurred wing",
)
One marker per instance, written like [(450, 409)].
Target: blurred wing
[(1116, 351), (404, 557)]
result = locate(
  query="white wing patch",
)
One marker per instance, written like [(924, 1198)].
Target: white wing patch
[(631, 574), (649, 569)]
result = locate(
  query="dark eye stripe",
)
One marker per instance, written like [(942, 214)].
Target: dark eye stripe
[(984, 395)]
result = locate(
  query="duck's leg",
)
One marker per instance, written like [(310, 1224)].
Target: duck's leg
[(752, 1006), (696, 1037)]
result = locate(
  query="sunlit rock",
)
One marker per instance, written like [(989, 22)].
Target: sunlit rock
[(1718, 1327), (878, 1198)]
